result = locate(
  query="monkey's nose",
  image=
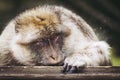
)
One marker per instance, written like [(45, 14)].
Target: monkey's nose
[(54, 59)]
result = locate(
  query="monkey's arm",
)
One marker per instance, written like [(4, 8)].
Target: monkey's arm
[(91, 54)]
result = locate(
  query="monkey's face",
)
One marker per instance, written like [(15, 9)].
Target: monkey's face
[(48, 51), (42, 37)]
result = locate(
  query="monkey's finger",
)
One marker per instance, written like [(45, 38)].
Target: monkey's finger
[(68, 68), (65, 67), (73, 70)]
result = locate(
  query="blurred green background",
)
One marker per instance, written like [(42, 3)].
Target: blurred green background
[(102, 15)]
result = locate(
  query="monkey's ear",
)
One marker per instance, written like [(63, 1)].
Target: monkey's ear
[(63, 29)]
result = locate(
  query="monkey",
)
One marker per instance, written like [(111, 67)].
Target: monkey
[(52, 35)]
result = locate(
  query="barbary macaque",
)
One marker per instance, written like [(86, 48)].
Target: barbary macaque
[(52, 35)]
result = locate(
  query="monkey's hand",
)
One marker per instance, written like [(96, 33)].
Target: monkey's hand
[(95, 54), (74, 63)]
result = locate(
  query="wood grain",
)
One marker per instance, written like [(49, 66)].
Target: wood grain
[(55, 73)]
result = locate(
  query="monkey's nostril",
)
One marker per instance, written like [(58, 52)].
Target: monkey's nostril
[(52, 57)]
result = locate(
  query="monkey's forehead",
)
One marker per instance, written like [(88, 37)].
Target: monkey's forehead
[(37, 17)]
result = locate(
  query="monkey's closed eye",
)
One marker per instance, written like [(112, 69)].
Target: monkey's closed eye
[(57, 38), (38, 43)]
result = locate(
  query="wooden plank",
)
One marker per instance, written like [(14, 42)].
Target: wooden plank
[(55, 73)]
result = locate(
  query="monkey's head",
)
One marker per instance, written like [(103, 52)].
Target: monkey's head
[(40, 36)]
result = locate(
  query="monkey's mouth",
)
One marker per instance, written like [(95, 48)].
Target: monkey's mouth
[(61, 63)]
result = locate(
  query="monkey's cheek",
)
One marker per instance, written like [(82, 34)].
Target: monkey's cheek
[(73, 65)]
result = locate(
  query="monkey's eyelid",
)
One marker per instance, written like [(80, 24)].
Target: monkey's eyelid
[(57, 34), (39, 40), (39, 43)]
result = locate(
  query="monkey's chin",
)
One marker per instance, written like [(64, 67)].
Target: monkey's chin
[(61, 63)]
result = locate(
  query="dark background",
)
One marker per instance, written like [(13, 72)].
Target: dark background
[(102, 15)]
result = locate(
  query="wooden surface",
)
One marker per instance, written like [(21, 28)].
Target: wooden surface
[(55, 73)]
